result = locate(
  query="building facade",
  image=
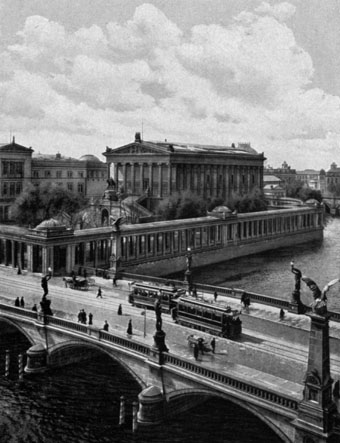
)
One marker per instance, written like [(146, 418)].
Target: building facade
[(156, 248), (19, 167), (160, 169), (313, 179), (285, 173)]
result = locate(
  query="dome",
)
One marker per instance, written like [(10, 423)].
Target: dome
[(47, 224), (89, 158)]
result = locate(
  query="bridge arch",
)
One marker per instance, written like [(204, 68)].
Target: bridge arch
[(192, 394), (75, 350), (18, 327)]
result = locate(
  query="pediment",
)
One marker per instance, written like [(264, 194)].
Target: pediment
[(139, 148)]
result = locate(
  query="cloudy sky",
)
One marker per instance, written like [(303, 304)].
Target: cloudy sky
[(77, 76)]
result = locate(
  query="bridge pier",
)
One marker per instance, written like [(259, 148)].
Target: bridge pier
[(151, 406), (36, 359), (318, 418)]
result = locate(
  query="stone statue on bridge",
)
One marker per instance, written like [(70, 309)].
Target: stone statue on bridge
[(158, 311), (319, 305)]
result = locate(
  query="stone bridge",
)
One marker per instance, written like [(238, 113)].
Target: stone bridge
[(171, 384)]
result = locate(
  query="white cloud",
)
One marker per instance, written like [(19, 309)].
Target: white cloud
[(249, 81), (281, 11)]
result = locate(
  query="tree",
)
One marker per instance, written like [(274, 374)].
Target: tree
[(186, 205), (38, 203), (252, 202)]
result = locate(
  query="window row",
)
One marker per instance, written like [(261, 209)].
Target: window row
[(11, 189), (12, 168)]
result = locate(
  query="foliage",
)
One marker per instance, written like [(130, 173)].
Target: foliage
[(38, 203), (186, 205), (298, 189), (189, 205), (252, 202)]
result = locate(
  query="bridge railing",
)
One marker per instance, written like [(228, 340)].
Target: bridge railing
[(224, 379), (168, 359)]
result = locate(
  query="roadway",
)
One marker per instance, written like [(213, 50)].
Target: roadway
[(285, 376)]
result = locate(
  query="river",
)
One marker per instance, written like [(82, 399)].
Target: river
[(269, 272), (80, 403)]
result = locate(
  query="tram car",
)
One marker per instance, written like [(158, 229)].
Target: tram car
[(144, 295), (216, 320)]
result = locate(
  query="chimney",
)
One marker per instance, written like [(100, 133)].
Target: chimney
[(58, 156), (138, 138)]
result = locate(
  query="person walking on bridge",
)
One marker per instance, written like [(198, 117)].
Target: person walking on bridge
[(129, 329), (106, 326), (22, 302), (99, 293), (17, 302)]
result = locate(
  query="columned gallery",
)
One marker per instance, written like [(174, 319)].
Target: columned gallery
[(160, 169)]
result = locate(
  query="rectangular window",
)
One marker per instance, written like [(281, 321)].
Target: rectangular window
[(4, 189), (18, 188), (47, 174), (70, 186), (12, 189), (35, 174), (69, 174), (80, 188), (81, 174), (59, 174)]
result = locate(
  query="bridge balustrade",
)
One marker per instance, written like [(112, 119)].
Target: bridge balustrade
[(232, 382), (124, 342)]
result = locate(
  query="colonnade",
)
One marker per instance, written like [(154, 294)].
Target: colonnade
[(208, 180)]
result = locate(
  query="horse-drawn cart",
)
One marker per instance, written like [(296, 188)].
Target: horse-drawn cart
[(79, 283), (200, 342)]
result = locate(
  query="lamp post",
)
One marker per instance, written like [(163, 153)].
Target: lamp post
[(144, 322), (188, 273)]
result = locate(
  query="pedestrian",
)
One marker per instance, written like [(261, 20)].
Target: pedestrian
[(282, 314), (213, 345), (106, 326), (84, 317), (22, 302), (35, 308), (195, 351), (120, 310), (85, 273), (129, 328), (194, 292), (80, 317), (215, 296), (17, 302), (90, 318), (99, 293), (114, 281)]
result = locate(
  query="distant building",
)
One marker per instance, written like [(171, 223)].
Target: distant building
[(273, 187), (315, 179), (19, 167), (333, 176), (285, 173), (160, 169)]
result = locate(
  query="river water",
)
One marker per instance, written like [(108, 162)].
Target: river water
[(269, 272), (80, 403)]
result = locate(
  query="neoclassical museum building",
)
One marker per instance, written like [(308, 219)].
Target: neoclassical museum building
[(160, 169)]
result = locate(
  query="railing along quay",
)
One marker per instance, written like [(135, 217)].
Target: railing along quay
[(223, 291)]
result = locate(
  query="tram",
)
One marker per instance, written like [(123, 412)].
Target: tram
[(144, 295), (216, 320)]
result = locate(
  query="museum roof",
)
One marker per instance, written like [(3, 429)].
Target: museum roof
[(139, 146)]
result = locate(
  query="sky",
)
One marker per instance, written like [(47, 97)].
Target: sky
[(77, 76)]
